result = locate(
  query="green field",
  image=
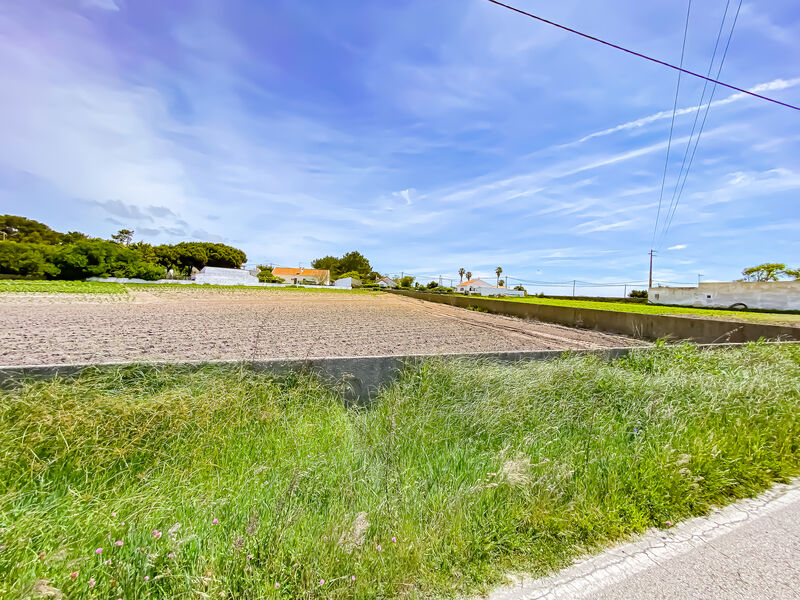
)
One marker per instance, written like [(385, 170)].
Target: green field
[(60, 287), (149, 482), (101, 287), (653, 309)]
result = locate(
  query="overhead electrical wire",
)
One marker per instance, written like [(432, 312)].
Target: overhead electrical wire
[(697, 112), (671, 214), (644, 56), (671, 125)]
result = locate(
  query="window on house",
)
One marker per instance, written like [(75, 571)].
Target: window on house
[(708, 296), (656, 296)]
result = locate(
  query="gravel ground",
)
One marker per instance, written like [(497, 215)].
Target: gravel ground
[(206, 324)]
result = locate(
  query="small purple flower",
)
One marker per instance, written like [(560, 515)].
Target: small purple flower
[(147, 577), (156, 534), (249, 557), (352, 577), (215, 521), (394, 539), (277, 585), (92, 583), (322, 582), (113, 514), (98, 551), (170, 555), (118, 543), (379, 547)]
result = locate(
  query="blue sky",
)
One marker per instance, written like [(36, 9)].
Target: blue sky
[(427, 135)]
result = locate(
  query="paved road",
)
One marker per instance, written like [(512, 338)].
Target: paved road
[(749, 550)]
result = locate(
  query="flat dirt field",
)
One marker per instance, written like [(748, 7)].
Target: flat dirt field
[(175, 324)]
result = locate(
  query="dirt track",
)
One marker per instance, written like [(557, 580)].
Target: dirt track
[(203, 324)]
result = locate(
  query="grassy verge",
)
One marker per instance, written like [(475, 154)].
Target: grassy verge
[(61, 287), (102, 287), (654, 309), (225, 483)]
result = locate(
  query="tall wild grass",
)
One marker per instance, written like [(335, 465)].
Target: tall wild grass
[(164, 482)]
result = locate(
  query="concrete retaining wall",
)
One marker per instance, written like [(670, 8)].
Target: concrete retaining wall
[(357, 378), (642, 326)]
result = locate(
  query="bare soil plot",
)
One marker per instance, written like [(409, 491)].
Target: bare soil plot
[(244, 324)]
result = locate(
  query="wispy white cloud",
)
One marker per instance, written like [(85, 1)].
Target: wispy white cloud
[(677, 247), (777, 84)]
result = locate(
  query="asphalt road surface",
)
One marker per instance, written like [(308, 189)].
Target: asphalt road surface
[(749, 550)]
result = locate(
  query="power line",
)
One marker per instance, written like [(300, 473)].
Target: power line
[(640, 55), (700, 132), (697, 112), (671, 125)]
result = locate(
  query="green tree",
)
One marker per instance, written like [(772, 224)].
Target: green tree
[(461, 272), (355, 261), (406, 282), (498, 271), (27, 260), (265, 275), (328, 263), (20, 229), (765, 272), (469, 276), (124, 237), (793, 273)]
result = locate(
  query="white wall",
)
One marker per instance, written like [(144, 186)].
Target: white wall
[(770, 295), (493, 291)]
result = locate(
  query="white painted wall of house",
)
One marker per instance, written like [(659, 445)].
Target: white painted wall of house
[(769, 295)]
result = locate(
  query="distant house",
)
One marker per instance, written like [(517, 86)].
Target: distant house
[(386, 282), (300, 275), (472, 286)]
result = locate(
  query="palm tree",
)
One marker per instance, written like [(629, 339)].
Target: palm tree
[(469, 275), (461, 272), (498, 270)]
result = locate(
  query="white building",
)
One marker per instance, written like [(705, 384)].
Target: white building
[(472, 286), (347, 283), (386, 282), (769, 295), (223, 276)]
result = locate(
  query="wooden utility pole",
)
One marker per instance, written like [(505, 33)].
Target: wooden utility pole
[(650, 280)]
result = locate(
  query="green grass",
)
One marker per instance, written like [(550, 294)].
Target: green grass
[(61, 287), (654, 309), (474, 468), (101, 287)]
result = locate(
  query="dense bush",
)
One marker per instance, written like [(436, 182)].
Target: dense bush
[(638, 294), (265, 275), (34, 250)]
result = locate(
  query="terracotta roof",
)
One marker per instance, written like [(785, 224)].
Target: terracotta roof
[(473, 281), (288, 271)]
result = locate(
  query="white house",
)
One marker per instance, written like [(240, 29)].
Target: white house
[(769, 295), (386, 282), (472, 286), (300, 275)]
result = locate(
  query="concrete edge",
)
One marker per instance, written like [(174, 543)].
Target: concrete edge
[(358, 377)]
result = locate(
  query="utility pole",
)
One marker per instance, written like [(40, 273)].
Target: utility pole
[(650, 280), (573, 288), (625, 291)]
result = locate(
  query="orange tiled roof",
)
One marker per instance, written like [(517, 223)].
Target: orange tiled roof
[(471, 281), (288, 271)]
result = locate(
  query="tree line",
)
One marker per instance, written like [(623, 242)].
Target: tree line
[(33, 250)]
